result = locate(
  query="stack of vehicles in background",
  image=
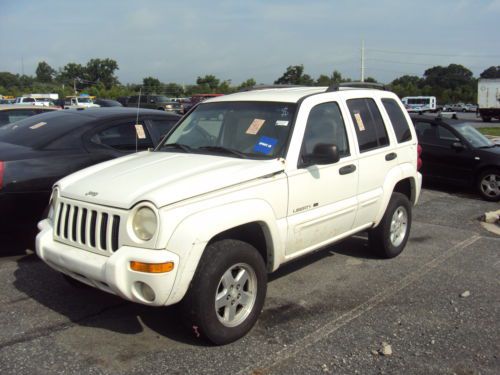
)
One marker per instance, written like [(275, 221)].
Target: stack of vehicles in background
[(488, 98)]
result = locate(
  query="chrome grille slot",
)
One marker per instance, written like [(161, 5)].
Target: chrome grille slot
[(88, 227)]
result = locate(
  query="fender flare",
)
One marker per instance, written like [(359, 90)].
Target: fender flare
[(193, 233), (402, 172)]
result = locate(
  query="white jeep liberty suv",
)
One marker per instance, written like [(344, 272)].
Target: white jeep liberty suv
[(243, 184)]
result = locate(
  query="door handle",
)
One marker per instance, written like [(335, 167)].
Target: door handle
[(391, 156), (347, 169)]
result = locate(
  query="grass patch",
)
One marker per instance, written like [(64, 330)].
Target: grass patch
[(490, 131)]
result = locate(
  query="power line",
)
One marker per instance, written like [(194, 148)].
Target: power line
[(427, 54), (412, 63)]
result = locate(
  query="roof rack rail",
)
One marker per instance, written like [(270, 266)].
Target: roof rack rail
[(357, 85), (264, 87)]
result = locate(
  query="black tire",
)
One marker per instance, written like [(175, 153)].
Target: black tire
[(223, 258), (486, 119), (380, 238), (486, 186)]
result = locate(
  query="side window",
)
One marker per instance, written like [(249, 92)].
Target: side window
[(162, 127), (133, 99), (123, 137), (325, 125), (434, 134), (144, 99), (398, 120), (370, 128)]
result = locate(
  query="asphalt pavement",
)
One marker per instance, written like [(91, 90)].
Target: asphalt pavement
[(435, 309)]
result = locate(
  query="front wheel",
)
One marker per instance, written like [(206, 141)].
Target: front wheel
[(488, 184), (389, 238), (227, 292)]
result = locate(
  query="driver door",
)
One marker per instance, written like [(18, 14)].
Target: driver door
[(322, 198)]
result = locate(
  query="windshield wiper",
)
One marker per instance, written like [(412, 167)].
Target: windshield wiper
[(489, 146), (224, 150), (178, 146)]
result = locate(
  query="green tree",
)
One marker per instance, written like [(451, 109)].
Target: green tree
[(173, 89), (151, 85), (44, 72), (452, 76), (491, 72), (294, 75), (102, 70), (8, 80), (247, 84), (71, 72), (209, 82)]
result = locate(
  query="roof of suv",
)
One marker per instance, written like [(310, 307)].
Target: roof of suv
[(278, 94), (289, 94)]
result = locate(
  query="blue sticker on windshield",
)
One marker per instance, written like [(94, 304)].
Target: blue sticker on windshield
[(265, 145)]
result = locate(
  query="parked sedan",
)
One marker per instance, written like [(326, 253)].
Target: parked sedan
[(454, 151), (12, 113), (38, 151)]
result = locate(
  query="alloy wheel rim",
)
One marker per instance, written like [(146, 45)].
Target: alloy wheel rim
[(236, 294), (399, 226), (490, 185)]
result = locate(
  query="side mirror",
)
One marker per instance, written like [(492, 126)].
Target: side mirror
[(323, 153), (458, 146)]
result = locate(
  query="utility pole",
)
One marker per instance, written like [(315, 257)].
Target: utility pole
[(362, 60)]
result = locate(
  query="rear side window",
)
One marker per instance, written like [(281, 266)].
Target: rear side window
[(163, 127), (398, 120), (124, 137), (370, 128)]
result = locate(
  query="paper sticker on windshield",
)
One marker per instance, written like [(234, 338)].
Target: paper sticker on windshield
[(281, 123), (265, 145), (359, 122), (255, 126), (39, 125), (139, 129)]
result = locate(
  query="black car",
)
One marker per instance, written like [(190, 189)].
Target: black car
[(39, 150), (455, 152), (108, 103)]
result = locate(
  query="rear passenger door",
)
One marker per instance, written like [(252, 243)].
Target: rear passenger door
[(376, 158), (322, 198)]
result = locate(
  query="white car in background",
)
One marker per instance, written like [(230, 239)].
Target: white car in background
[(24, 100), (79, 102)]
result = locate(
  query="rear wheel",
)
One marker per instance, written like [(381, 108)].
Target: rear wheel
[(227, 292), (488, 185), (486, 119), (389, 238)]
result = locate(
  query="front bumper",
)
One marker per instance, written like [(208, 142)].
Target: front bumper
[(110, 273)]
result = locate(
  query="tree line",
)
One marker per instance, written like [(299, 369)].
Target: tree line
[(453, 83)]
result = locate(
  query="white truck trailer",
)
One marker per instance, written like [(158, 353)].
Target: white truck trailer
[(488, 98)]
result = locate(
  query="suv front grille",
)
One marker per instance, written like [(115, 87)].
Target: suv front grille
[(88, 227)]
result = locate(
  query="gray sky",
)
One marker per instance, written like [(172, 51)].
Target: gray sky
[(177, 41)]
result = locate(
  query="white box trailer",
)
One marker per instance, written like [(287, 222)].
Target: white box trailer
[(488, 98)]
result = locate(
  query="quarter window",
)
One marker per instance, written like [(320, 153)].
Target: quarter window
[(398, 120), (370, 128)]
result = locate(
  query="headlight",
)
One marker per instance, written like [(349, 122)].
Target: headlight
[(52, 204), (144, 223)]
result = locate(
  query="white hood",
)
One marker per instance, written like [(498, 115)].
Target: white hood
[(161, 177)]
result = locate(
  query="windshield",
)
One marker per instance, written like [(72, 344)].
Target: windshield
[(475, 138), (84, 100), (241, 129)]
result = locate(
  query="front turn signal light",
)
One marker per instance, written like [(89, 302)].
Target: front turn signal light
[(152, 267)]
